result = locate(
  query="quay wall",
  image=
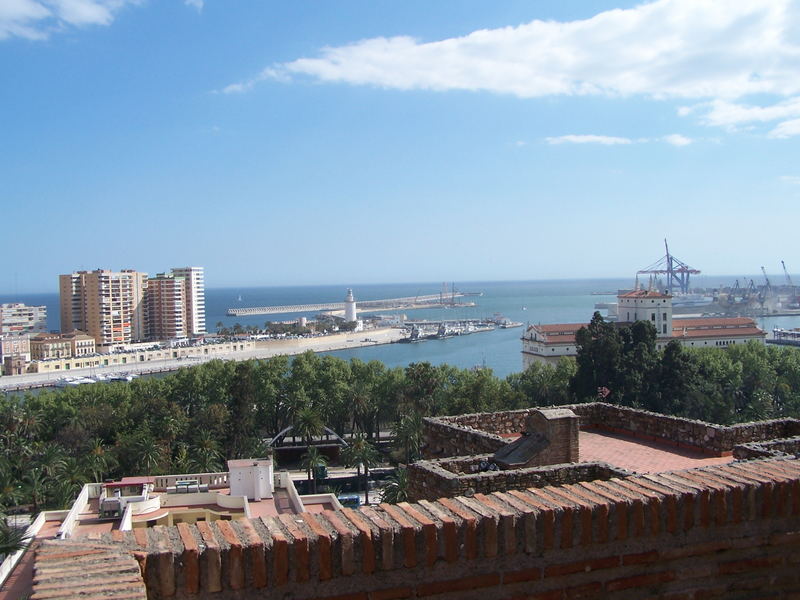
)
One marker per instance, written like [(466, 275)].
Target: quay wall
[(728, 531), (137, 357)]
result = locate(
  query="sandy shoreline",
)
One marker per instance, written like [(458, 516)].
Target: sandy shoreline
[(264, 349)]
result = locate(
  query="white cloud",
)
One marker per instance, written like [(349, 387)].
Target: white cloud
[(247, 85), (786, 129), (605, 140), (727, 114), (674, 139), (36, 19), (677, 139), (697, 49), (198, 4), (793, 179), (734, 116)]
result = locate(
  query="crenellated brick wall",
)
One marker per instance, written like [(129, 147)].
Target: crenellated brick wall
[(729, 531), (447, 477), (482, 433), (87, 569)]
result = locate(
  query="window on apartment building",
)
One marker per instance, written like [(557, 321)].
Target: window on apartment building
[(653, 317)]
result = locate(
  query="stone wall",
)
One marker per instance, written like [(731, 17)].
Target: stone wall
[(707, 437), (782, 447), (729, 531), (481, 433), (445, 478), (442, 437)]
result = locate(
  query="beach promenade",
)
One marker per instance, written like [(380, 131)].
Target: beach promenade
[(264, 349)]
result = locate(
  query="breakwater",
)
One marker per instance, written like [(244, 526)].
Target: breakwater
[(389, 303)]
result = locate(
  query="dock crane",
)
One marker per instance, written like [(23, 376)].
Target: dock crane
[(769, 285), (786, 273), (793, 300), (677, 271)]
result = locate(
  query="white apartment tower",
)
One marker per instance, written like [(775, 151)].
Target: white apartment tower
[(107, 305), (17, 318), (194, 298)]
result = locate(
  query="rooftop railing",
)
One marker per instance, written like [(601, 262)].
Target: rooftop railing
[(212, 480)]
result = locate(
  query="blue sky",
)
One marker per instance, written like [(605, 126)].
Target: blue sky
[(374, 141)]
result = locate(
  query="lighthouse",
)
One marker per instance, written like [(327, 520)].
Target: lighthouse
[(349, 307)]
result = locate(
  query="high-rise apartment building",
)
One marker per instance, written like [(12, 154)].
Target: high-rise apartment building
[(107, 305), (17, 318), (166, 307), (195, 298)]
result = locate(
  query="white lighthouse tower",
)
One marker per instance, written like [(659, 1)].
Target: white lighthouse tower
[(349, 307)]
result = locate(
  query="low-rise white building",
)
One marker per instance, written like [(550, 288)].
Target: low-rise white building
[(549, 343)]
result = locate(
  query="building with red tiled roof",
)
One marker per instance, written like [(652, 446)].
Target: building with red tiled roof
[(548, 343), (249, 489)]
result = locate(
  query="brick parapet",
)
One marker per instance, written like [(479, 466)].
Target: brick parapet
[(722, 531), (482, 433), (86, 569), (430, 480)]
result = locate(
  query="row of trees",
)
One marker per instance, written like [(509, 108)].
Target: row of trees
[(741, 383), (193, 420), (271, 328)]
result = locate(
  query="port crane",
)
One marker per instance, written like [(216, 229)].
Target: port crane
[(676, 270), (786, 273), (793, 299), (769, 285)]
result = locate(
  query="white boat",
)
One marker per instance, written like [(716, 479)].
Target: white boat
[(126, 377), (73, 381)]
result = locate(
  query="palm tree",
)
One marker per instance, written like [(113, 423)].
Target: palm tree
[(99, 461), (308, 425), (150, 454), (11, 539), (205, 454), (35, 484), (69, 482), (408, 434), (310, 460), (397, 489), (51, 460), (361, 453), (10, 491), (219, 326)]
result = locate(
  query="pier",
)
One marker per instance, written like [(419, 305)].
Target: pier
[(785, 337), (400, 303)]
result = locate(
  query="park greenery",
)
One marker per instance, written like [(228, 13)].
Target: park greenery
[(53, 442)]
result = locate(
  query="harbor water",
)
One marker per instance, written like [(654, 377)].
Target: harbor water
[(557, 301)]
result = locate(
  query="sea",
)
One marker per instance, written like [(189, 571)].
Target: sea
[(529, 302)]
